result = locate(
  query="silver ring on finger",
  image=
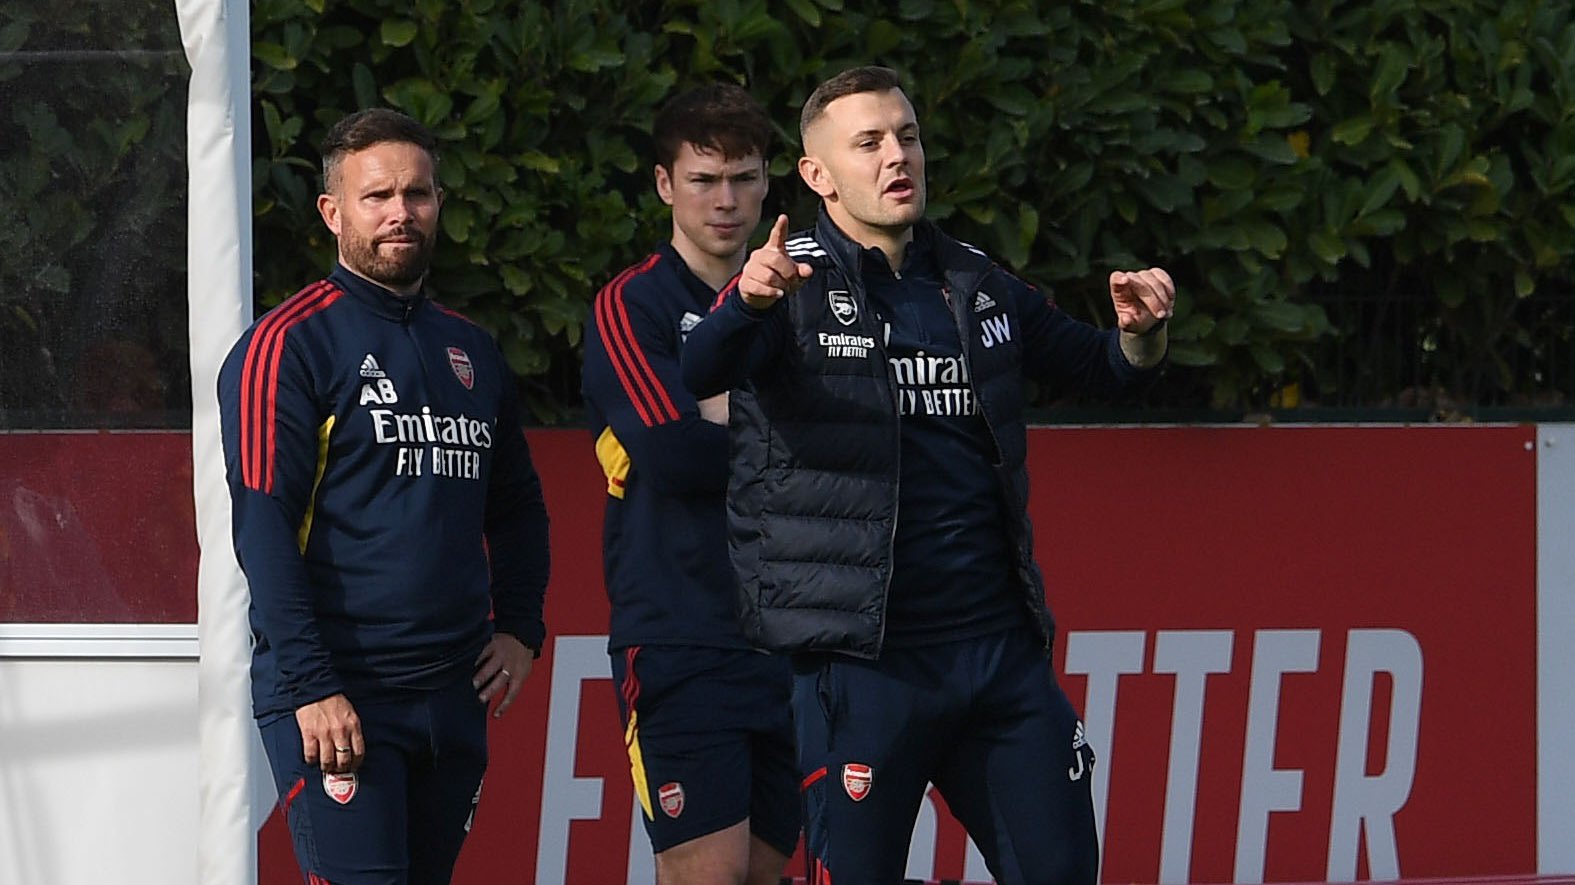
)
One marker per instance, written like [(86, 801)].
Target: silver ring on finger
[(503, 671)]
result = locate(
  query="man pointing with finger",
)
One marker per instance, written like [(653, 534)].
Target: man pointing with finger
[(878, 503)]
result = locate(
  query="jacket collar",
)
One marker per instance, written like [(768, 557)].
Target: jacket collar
[(699, 290), (377, 299), (962, 266)]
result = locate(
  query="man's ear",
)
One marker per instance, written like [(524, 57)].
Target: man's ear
[(814, 174), (328, 207), (664, 183)]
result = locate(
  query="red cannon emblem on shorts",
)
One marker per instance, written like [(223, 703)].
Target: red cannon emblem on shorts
[(671, 795), (856, 779), (340, 787)]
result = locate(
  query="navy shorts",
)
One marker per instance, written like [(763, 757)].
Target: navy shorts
[(710, 739), (983, 720), (401, 818)]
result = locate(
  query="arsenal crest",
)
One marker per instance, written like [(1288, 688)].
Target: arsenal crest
[(340, 787), (671, 797), (856, 779), (843, 307), (459, 361)]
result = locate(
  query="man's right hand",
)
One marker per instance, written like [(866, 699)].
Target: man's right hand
[(770, 272), (331, 735)]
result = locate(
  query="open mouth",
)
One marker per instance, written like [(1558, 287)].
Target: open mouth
[(901, 187)]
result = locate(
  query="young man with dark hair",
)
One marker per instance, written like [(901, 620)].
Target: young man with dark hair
[(878, 503), (707, 718), (391, 527)]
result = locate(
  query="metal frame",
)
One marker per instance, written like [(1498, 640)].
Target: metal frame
[(98, 641)]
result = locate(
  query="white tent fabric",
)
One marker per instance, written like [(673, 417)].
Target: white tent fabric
[(235, 790)]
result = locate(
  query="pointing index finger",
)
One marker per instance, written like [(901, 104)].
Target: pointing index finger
[(777, 241)]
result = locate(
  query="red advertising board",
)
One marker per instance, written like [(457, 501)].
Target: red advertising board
[(97, 527), (1368, 599), (1335, 627), (1303, 654)]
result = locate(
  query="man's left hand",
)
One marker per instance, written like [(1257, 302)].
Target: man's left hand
[(501, 671), (1142, 298)]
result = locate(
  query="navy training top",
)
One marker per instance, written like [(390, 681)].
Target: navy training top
[(952, 568), (384, 499), (664, 542)]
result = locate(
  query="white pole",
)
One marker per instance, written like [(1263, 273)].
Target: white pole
[(234, 790)]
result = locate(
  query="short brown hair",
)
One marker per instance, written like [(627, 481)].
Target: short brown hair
[(364, 128), (850, 82), (719, 117)]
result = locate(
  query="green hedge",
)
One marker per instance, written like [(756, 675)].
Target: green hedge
[(1271, 154)]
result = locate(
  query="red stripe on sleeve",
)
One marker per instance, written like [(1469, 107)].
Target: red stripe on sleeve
[(452, 312), (606, 328), (668, 410), (273, 387), (260, 381), (721, 295), (815, 775), (639, 380), (252, 380)]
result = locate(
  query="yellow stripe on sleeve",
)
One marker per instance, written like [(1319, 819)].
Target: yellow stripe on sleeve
[(614, 460), (317, 480)]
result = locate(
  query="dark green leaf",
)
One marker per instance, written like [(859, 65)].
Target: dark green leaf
[(1327, 246), (1164, 192), (365, 86), (1191, 355), (1188, 81), (398, 32), (1524, 284), (1267, 358), (1231, 173), (274, 56), (1353, 131), (1268, 239), (1392, 68), (1272, 148), (1379, 190), (458, 219), (806, 10), (1323, 72), (1279, 315)]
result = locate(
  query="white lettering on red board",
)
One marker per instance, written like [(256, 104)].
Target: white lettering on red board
[(1364, 803)]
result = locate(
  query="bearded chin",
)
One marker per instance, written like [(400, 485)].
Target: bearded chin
[(396, 272), (403, 273)]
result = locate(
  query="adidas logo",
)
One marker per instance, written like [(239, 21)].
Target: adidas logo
[(370, 368), (688, 321), (982, 303)]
